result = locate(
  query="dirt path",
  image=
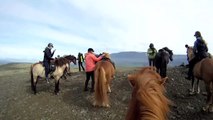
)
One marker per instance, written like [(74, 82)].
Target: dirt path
[(17, 101)]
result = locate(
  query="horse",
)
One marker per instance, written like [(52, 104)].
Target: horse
[(203, 70), (162, 59), (148, 100), (37, 70), (71, 58), (104, 73), (196, 71)]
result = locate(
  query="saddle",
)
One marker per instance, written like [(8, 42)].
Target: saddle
[(109, 60), (52, 66)]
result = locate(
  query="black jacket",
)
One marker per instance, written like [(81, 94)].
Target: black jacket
[(47, 55), (200, 48)]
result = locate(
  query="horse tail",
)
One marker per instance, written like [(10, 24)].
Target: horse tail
[(100, 86)]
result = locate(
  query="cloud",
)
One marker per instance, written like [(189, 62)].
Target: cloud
[(113, 26)]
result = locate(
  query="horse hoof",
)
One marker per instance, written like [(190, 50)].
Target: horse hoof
[(94, 104), (107, 106), (205, 109), (56, 93), (191, 93), (204, 93), (211, 108)]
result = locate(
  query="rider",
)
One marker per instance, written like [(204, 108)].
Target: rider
[(151, 54), (200, 50), (47, 57)]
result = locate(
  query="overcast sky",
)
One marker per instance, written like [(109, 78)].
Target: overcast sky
[(27, 26)]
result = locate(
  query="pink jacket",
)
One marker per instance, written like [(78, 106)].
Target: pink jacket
[(90, 60)]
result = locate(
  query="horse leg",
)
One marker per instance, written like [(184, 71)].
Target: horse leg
[(198, 86), (208, 100), (192, 90), (57, 86), (33, 84), (109, 89), (211, 106)]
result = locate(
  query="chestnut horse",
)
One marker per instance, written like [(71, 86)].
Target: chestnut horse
[(203, 70), (148, 101), (196, 71), (37, 70), (104, 73)]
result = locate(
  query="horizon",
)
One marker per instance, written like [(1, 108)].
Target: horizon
[(113, 26), (22, 60)]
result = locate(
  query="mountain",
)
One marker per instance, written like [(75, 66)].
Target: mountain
[(121, 59), (137, 59)]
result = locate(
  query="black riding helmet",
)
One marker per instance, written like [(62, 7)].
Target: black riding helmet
[(197, 34), (50, 45)]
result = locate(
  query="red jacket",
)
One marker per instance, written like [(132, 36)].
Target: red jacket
[(90, 60)]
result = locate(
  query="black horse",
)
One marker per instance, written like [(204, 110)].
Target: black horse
[(162, 59)]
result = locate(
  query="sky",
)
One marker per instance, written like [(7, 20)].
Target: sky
[(27, 26)]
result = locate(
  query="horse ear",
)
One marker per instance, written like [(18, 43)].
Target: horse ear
[(131, 79)]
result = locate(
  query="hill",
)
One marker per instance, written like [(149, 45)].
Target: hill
[(135, 59), (121, 59)]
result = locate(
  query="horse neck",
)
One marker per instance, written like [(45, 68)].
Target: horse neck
[(60, 68)]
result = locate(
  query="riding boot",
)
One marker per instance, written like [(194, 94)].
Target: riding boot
[(93, 84), (189, 74)]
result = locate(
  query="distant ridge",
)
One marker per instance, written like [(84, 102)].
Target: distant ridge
[(137, 59), (121, 59)]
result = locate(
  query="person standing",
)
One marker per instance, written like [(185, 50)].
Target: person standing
[(200, 50), (80, 61), (151, 52), (90, 60), (47, 57)]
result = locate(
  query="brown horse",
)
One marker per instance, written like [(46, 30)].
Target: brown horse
[(71, 58), (148, 101), (196, 71), (38, 70), (162, 59), (104, 73), (203, 70)]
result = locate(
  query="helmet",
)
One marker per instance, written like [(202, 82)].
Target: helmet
[(151, 45), (50, 45), (197, 34), (90, 50)]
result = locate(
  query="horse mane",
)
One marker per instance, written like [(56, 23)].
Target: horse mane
[(168, 50), (61, 61), (149, 101), (69, 57)]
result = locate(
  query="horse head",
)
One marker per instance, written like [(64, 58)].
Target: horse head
[(190, 53), (170, 53), (71, 58)]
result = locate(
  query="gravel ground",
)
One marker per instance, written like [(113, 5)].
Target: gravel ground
[(17, 102)]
